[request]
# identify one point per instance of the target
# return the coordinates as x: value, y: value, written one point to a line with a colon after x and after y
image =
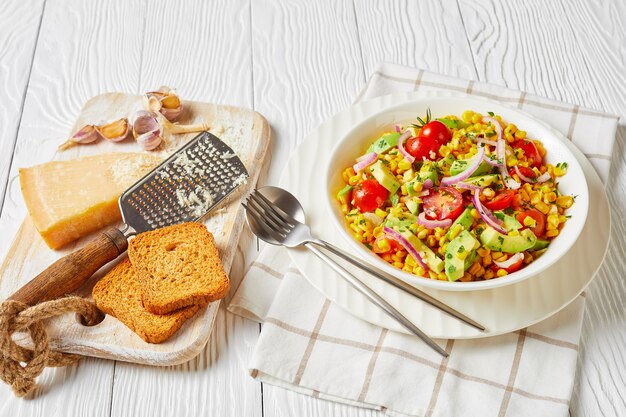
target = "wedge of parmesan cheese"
x: 67, y: 200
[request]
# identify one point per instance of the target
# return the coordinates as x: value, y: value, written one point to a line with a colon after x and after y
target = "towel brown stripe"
x: 514, y: 368
x: 439, y: 380
x: 313, y: 337
x: 371, y: 365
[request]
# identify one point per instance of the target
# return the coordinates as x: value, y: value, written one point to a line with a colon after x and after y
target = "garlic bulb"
x: 165, y: 101
x: 115, y: 131
x: 86, y: 134
x: 147, y: 130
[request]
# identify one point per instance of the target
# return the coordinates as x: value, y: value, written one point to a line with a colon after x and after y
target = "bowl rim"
x: 416, y: 280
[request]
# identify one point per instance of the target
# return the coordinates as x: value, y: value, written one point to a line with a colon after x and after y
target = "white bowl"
x: 356, y: 142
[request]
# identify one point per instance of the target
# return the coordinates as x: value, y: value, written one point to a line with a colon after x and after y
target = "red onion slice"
x: 431, y: 224
x: 512, y: 260
x: 467, y: 186
x: 509, y: 181
x: 427, y: 184
x: 462, y: 176
x: 398, y: 128
x: 491, y: 161
x: 486, y: 142
x: 524, y: 177
x: 403, y: 151
x: 544, y: 177
x: 364, y: 161
x: 500, y: 145
x: 486, y: 215
x: 406, y: 245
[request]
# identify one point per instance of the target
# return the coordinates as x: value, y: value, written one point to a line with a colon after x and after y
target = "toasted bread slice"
x: 178, y: 266
x: 118, y: 294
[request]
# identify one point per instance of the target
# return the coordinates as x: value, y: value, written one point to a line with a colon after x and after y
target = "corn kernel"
x: 466, y: 277
x: 398, y: 264
x: 474, y: 268
x: 454, y: 232
x: 354, y: 180
x: 513, y: 233
x: 444, y: 151
x: 381, y: 213
x: 560, y: 170
x: 442, y: 241
x: 562, y: 218
x: 502, y: 272
x: 542, y: 207
x: 520, y: 134
x: 489, y: 193
x: 404, y: 165
x: 477, y: 118
x: 378, y: 231
x: 483, y: 251
x: 419, y: 271
x: 550, y: 197
x: 467, y: 116
x: 431, y: 241
x: 541, y: 149
x: 552, y: 233
x: 432, y: 275
x: 488, y: 274
x: 535, y: 197
x: 565, y: 201
x: 487, y: 260
x: 422, y: 234
x: 384, y: 244
x: 475, y: 214
x: 553, y: 219
x: 528, y: 258
x: 529, y: 222
x: 442, y: 276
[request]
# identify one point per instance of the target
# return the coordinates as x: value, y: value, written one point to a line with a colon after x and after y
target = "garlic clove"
x: 169, y: 104
x: 85, y: 134
x: 149, y: 140
x: 115, y: 131
x: 171, y: 114
x: 147, y: 130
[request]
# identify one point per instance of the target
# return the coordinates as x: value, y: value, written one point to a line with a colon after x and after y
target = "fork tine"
x: 258, y: 219
x: 275, y: 209
x: 268, y: 219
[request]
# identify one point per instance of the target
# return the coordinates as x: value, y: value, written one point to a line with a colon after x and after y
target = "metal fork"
x: 287, y: 231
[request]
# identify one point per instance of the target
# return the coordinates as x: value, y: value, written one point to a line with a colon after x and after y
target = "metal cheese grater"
x: 183, y: 188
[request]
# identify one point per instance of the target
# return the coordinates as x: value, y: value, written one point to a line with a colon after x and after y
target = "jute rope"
x: 16, y: 316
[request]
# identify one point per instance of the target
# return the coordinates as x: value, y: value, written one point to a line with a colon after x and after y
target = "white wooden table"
x: 296, y: 62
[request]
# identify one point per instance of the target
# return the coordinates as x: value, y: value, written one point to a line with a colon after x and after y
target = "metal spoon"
x: 257, y: 219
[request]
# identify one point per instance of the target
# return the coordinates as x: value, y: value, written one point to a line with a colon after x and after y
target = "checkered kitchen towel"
x: 309, y: 345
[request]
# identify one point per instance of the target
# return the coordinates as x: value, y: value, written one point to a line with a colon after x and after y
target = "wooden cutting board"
x: 245, y: 131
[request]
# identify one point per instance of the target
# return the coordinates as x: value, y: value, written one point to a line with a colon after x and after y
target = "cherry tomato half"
x: 501, y: 201
x: 443, y: 203
x: 527, y: 172
x: 538, y: 216
x: 423, y: 148
x: 369, y: 195
x: 530, y: 150
x: 436, y: 130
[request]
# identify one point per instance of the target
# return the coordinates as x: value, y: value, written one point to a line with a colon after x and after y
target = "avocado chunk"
x: 384, y: 143
x: 457, y: 253
x: 494, y: 240
x: 540, y: 244
x: 384, y: 176
x: 445, y: 164
x: 465, y: 220
x: 413, y: 206
x: 432, y: 261
x: 483, y: 180
x: 400, y: 223
x: 509, y: 222
x: 461, y: 165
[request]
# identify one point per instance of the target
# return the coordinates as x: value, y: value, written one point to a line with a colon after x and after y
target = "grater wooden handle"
x: 70, y: 272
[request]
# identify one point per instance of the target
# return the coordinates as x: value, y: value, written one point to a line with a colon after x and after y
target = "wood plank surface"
x: 297, y: 63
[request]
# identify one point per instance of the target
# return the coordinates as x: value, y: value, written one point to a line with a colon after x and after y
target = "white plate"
x: 359, y: 138
x: 501, y: 310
